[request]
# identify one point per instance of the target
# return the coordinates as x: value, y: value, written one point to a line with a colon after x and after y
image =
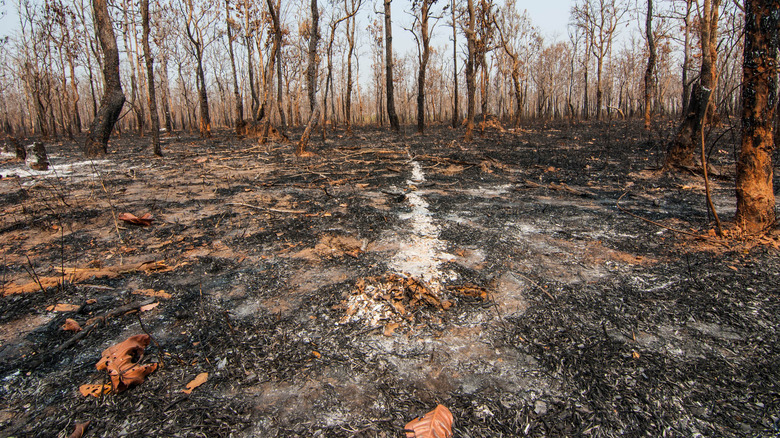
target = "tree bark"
x: 455, y: 118
x: 426, y: 53
x: 471, y: 84
x: 391, y: 114
x: 155, y: 120
x: 279, y: 105
x: 755, y: 194
x: 351, y: 25
x: 681, y: 151
x: 239, y: 104
x: 650, y: 70
x: 255, y: 105
x: 686, y: 86
x: 194, y: 35
x: 311, y: 81
x: 113, y: 99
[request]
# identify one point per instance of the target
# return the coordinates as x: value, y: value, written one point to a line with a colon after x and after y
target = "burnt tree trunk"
x: 250, y: 63
x: 426, y: 54
x: 650, y: 64
x: 150, y: 79
x: 681, y: 151
x: 755, y: 194
x: 686, y: 86
x: 391, y: 114
x: 471, y: 83
x: 351, y: 25
x: 204, y: 123
x: 311, y: 81
x: 113, y: 99
x: 455, y: 118
x: 269, y: 88
x: 239, y: 126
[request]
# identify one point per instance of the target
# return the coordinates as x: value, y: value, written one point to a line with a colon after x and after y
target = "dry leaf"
x: 78, y: 432
x: 149, y: 306
x: 71, y: 325
x: 390, y: 328
x: 121, y: 362
x: 143, y: 221
x: 197, y: 381
x: 435, y: 424
x: 94, y: 390
x: 62, y: 307
x: 152, y: 293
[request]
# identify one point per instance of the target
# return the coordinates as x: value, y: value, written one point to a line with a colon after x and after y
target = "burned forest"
x: 420, y: 218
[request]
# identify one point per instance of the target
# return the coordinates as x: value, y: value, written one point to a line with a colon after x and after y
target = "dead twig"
x: 159, y: 348
x: 658, y: 224
x: 31, y: 272
x: 88, y: 327
x: 535, y: 284
x: 275, y: 210
x: 110, y: 204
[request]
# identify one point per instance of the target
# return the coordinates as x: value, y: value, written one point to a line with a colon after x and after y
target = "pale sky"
x: 551, y: 17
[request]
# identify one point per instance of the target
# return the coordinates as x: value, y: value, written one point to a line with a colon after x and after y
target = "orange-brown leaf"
x: 94, y: 390
x: 121, y: 362
x: 197, y: 381
x: 71, y: 325
x: 435, y: 424
x: 143, y: 221
x: 149, y: 307
x: 62, y: 307
x: 78, y: 432
x: 152, y: 293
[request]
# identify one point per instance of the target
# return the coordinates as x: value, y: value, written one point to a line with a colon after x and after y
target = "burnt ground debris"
x: 596, y: 323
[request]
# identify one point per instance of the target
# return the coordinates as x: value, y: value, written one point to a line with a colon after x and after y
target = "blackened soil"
x: 596, y: 323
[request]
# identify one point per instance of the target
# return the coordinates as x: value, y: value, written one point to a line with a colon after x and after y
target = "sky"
x: 550, y: 16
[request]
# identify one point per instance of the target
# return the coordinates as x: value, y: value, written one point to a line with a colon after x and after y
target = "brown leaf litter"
x: 122, y: 361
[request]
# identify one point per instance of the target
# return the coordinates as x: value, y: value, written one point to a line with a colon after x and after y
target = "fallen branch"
x: 563, y: 187
x: 275, y: 210
x: 88, y: 327
x: 658, y: 224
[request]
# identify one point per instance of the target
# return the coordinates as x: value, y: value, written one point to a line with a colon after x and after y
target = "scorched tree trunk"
x: 755, y: 194
x: 113, y: 98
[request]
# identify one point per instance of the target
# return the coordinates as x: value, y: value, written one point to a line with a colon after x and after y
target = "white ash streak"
x: 422, y: 252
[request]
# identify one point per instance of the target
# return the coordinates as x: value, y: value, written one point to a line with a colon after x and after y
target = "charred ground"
x: 561, y: 314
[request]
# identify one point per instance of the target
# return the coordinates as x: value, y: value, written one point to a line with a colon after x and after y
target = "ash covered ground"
x: 517, y: 280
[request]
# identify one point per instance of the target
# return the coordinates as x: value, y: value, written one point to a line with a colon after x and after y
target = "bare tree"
x: 113, y: 98
x: 198, y: 21
x: 229, y: 25
x: 651, y: 57
x: 681, y: 150
x: 150, y: 79
x: 756, y: 210
x: 424, y: 54
x: 391, y: 114
x: 311, y: 81
x: 334, y: 22
x: 455, y: 112
x: 599, y: 19
x: 686, y: 66
x: 352, y: 9
x: 266, y: 110
x: 516, y: 36
x: 471, y: 84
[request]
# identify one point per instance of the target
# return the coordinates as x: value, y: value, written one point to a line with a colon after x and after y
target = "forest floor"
x: 511, y: 279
